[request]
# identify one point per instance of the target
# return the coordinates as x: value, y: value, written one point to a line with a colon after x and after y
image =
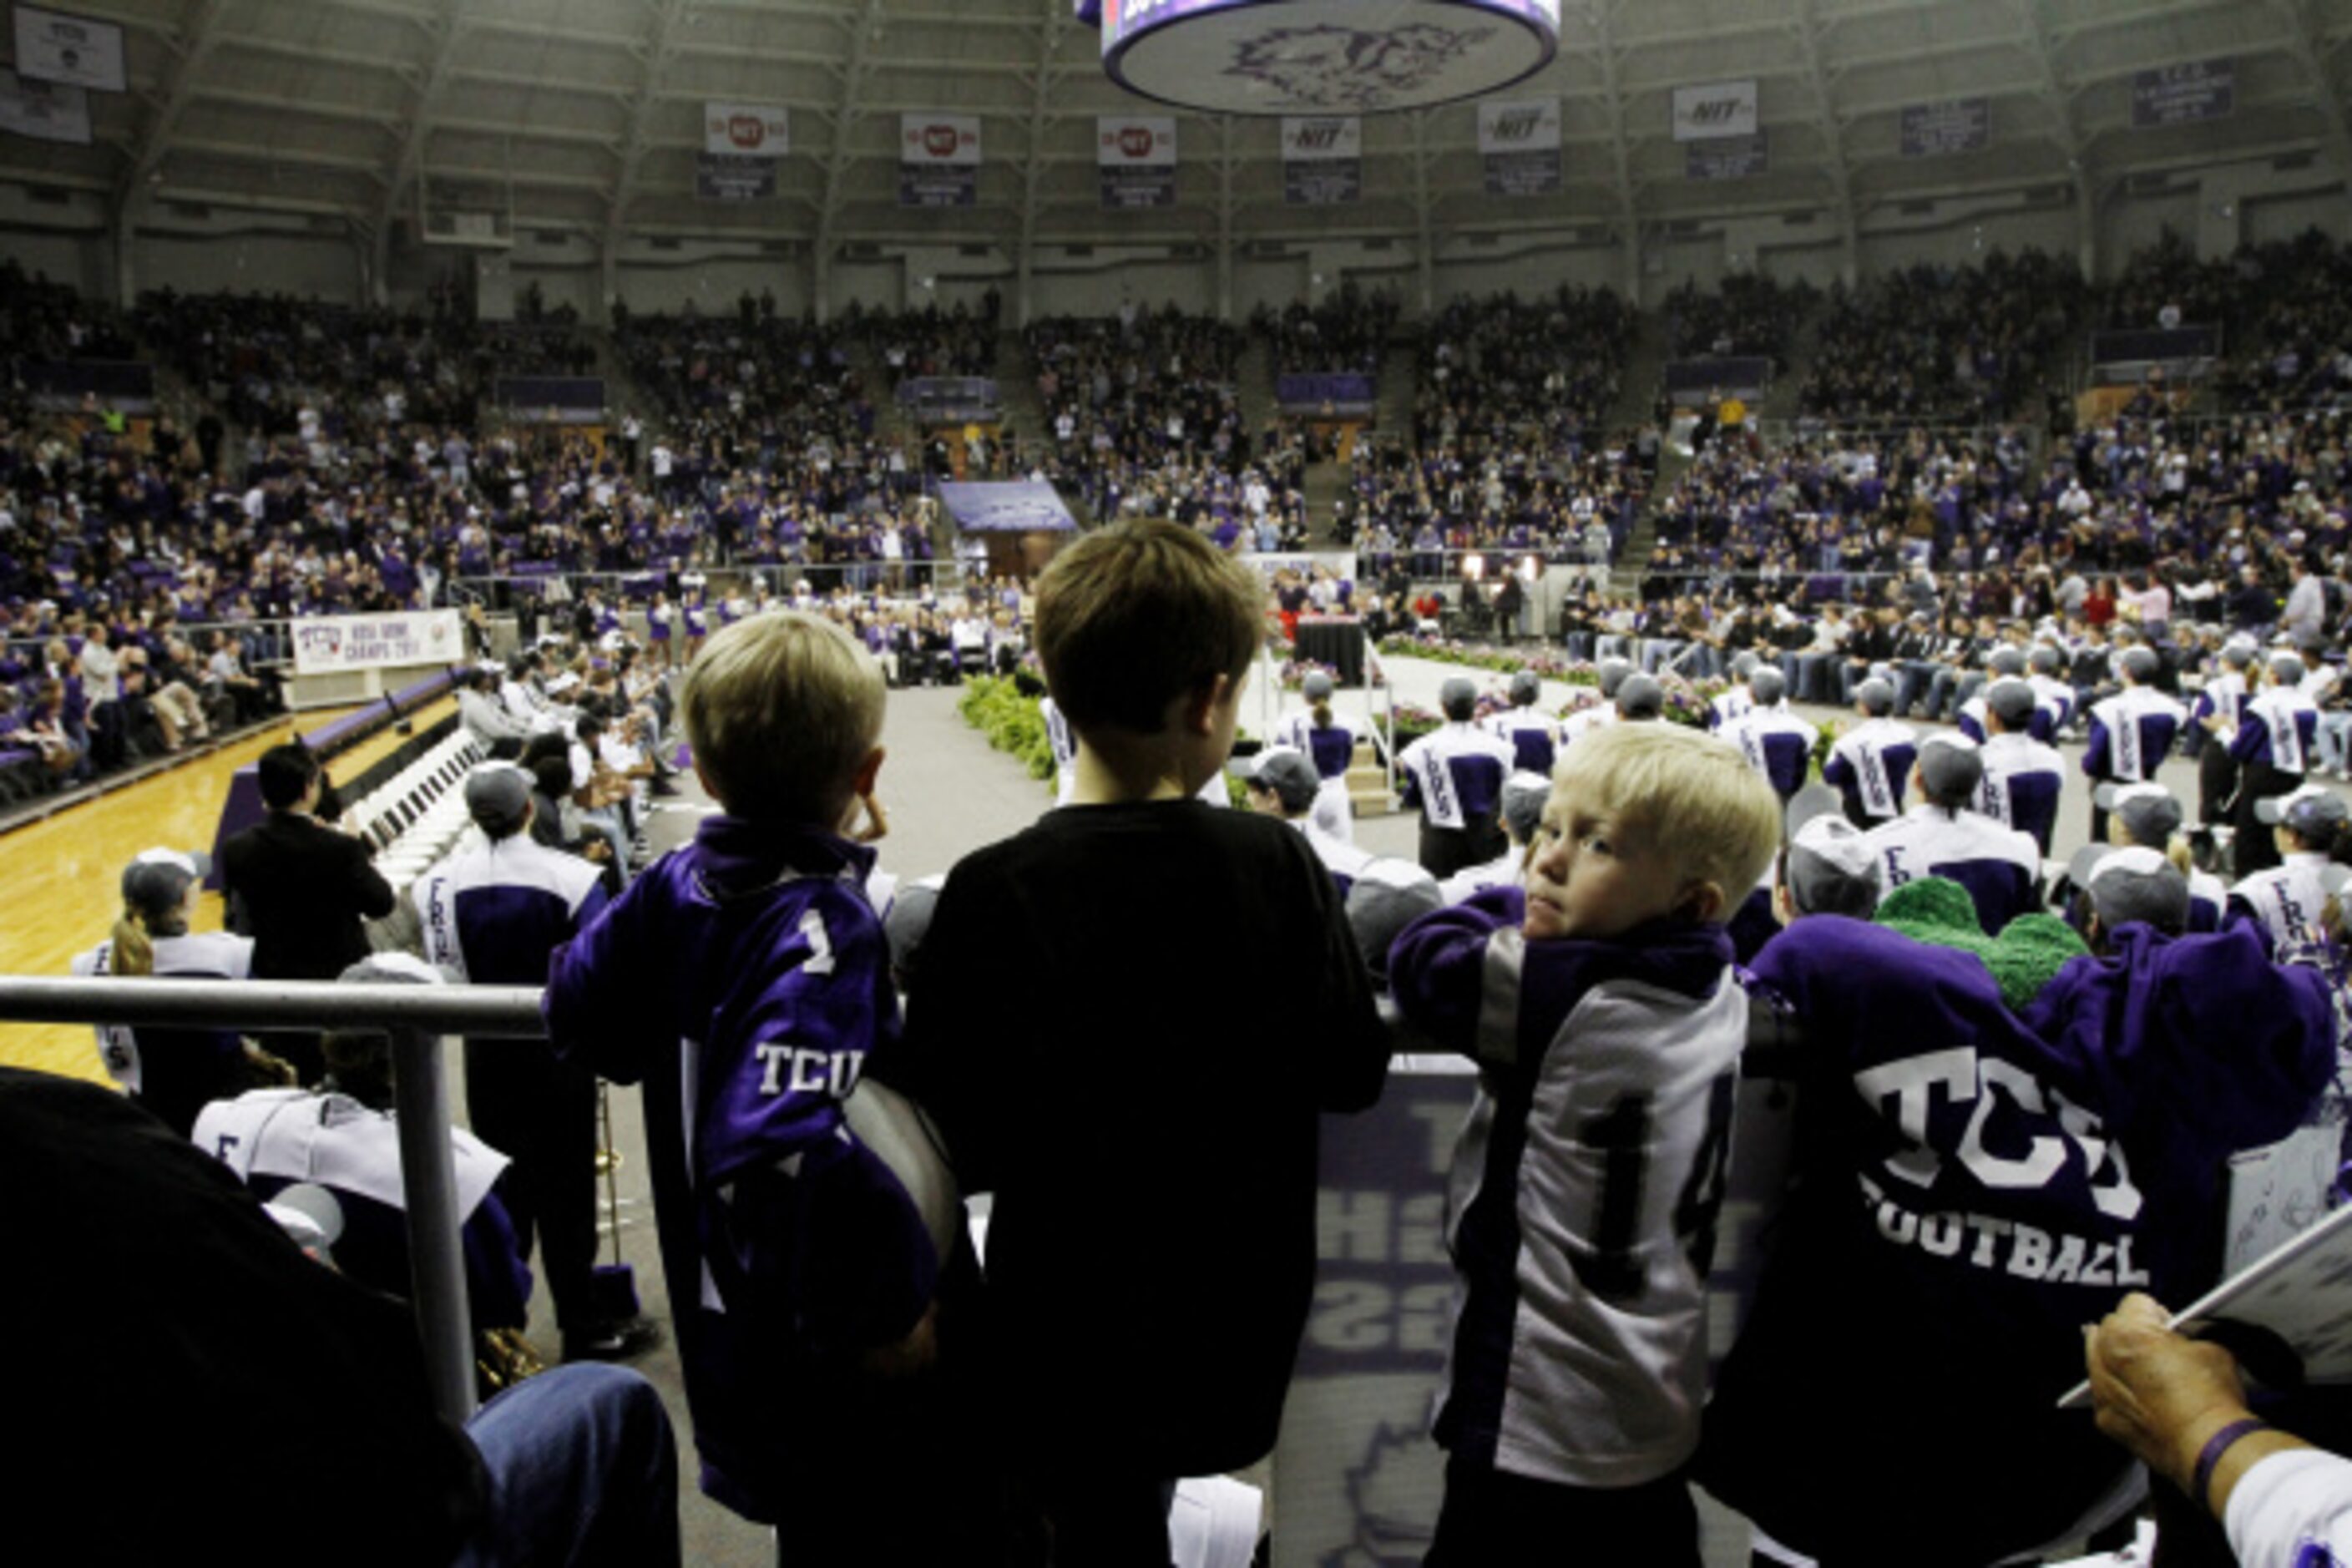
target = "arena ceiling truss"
x: 588, y: 115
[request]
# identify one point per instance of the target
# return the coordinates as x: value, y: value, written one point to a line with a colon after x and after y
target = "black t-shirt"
x: 1128, y: 1021
x: 189, y: 1382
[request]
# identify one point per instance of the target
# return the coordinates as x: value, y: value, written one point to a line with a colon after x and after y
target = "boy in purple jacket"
x: 743, y: 980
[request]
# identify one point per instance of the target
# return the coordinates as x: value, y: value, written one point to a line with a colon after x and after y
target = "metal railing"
x: 419, y: 1018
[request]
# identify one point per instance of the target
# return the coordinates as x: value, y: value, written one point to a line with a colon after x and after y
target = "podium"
x: 1337, y: 641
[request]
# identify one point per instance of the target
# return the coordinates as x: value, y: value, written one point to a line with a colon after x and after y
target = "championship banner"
x: 43, y: 109
x: 1727, y: 160
x: 1718, y: 109
x: 1322, y: 159
x: 746, y: 129
x: 329, y: 645
x: 939, y: 159
x: 1940, y: 130
x: 1520, y: 143
x: 71, y: 51
x: 733, y: 177
x: 2181, y: 95
x: 1136, y: 156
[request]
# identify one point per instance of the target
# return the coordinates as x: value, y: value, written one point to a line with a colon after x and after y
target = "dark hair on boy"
x: 284, y: 772
x: 1135, y: 615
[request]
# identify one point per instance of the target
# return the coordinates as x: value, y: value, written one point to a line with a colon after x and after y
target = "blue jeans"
x: 583, y: 1470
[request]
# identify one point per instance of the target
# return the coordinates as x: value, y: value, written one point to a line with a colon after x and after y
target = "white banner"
x: 1518, y: 142
x: 327, y: 644
x: 1135, y: 141
x: 44, y: 111
x: 1135, y: 160
x: 938, y: 140
x: 70, y: 50
x: 1321, y: 138
x: 1528, y: 125
x: 1718, y: 109
x: 746, y: 129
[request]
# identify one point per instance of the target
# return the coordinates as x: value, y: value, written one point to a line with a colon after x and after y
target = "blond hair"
x: 781, y: 710
x: 1682, y: 793
x: 1135, y: 615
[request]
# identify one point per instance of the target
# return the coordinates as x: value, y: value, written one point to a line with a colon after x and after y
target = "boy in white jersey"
x: 1600, y: 1007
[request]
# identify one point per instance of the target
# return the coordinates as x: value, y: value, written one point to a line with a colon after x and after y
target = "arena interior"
x: 1943, y: 404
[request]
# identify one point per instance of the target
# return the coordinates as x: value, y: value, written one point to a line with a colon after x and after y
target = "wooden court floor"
x: 60, y: 878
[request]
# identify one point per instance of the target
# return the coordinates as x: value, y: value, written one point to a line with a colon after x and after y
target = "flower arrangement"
x: 1011, y: 720
x: 1294, y: 672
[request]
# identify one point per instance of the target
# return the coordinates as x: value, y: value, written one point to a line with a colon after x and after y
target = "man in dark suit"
x: 300, y: 888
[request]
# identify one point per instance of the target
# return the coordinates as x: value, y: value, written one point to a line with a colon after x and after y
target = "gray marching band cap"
x: 1876, y: 697
x: 2237, y: 653
x: 1767, y: 686
x: 1641, y: 696
x: 1744, y: 665
x: 2006, y: 661
x: 157, y: 880
x: 2012, y: 700
x: 1525, y: 795
x: 1950, y: 765
x: 2133, y: 883
x: 1613, y: 672
x: 1832, y: 869
x: 2286, y: 669
x: 498, y: 796
x: 1458, y: 692
x: 2149, y: 812
x: 1284, y: 770
x: 2043, y: 659
x: 2313, y: 814
x: 1526, y: 686
x: 2140, y: 663
x: 1316, y: 686
x: 1387, y: 896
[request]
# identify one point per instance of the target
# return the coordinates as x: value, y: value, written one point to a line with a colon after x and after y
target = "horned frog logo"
x: 1334, y: 67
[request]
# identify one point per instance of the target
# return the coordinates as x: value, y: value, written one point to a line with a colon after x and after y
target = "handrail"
x: 416, y: 1018
x: 419, y: 1017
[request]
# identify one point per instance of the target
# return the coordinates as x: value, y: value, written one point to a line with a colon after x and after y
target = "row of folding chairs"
x: 416, y: 817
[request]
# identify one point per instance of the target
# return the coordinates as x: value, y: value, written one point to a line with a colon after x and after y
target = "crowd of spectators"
x: 930, y: 341
x: 1747, y: 314
x: 1958, y: 345
x: 1501, y: 371
x: 1348, y: 332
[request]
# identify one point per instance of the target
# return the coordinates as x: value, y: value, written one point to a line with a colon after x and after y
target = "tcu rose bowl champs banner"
x: 1322, y: 159
x: 1135, y: 155
x: 1519, y: 145
x: 939, y: 159
x: 327, y: 645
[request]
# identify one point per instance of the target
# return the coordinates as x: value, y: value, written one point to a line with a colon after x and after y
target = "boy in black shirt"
x: 1128, y: 1019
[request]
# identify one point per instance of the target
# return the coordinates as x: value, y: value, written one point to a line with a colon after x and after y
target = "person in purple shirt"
x: 743, y: 980
x: 1976, y: 1183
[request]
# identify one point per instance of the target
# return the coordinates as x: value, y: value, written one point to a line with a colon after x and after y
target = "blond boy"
x: 1600, y: 1007
x: 743, y: 979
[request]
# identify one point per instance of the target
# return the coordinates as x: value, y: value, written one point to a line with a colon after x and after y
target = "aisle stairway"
x: 1626, y: 575
x: 1645, y: 374
x: 1399, y: 373
x: 1016, y: 392
x: 1326, y: 483
x: 1254, y: 384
